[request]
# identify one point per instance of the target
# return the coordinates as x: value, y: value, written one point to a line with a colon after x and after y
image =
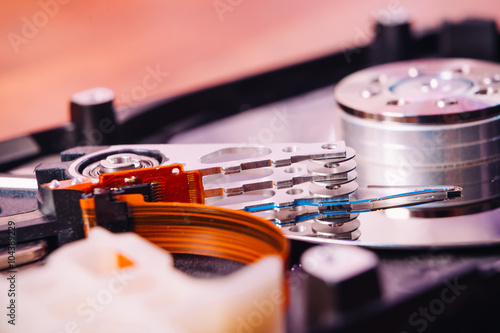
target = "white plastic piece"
x: 82, y: 288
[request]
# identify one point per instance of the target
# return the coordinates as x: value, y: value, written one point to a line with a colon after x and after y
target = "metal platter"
x: 423, y: 91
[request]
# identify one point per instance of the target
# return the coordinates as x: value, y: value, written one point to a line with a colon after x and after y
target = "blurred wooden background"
x: 51, y: 49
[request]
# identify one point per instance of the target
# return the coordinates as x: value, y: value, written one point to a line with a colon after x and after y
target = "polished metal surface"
x: 397, y: 229
x: 118, y: 162
x: 275, y: 182
x: 24, y: 253
x: 439, y: 91
x: 335, y: 228
x: 329, y: 168
x: 312, y: 118
x: 443, y: 129
x: 17, y: 183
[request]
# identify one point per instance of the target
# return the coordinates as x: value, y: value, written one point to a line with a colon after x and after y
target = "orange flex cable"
x: 168, y: 183
x: 200, y: 229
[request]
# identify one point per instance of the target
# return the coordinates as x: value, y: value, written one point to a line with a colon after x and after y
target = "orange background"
x: 84, y: 44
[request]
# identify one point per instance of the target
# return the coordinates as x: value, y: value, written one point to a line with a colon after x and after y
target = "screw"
x: 413, y: 72
x: 76, y: 180
x: 54, y: 184
x: 370, y: 91
x: 118, y: 162
x: 486, y: 91
x: 445, y: 102
x: 131, y: 180
x: 397, y: 102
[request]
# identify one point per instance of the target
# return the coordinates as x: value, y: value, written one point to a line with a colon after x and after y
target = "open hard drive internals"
x: 363, y: 199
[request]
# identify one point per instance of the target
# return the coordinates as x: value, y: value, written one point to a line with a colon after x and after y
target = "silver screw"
x: 131, y: 180
x: 413, y: 72
x: 397, y: 102
x: 370, y: 91
x: 118, y: 162
x: 486, y: 91
x: 445, y: 102
x: 54, y: 184
x: 76, y: 180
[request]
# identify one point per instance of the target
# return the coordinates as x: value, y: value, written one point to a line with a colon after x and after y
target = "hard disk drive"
x: 327, y: 196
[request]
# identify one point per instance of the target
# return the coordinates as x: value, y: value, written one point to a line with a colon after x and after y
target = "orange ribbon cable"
x: 200, y: 229
x: 165, y: 207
